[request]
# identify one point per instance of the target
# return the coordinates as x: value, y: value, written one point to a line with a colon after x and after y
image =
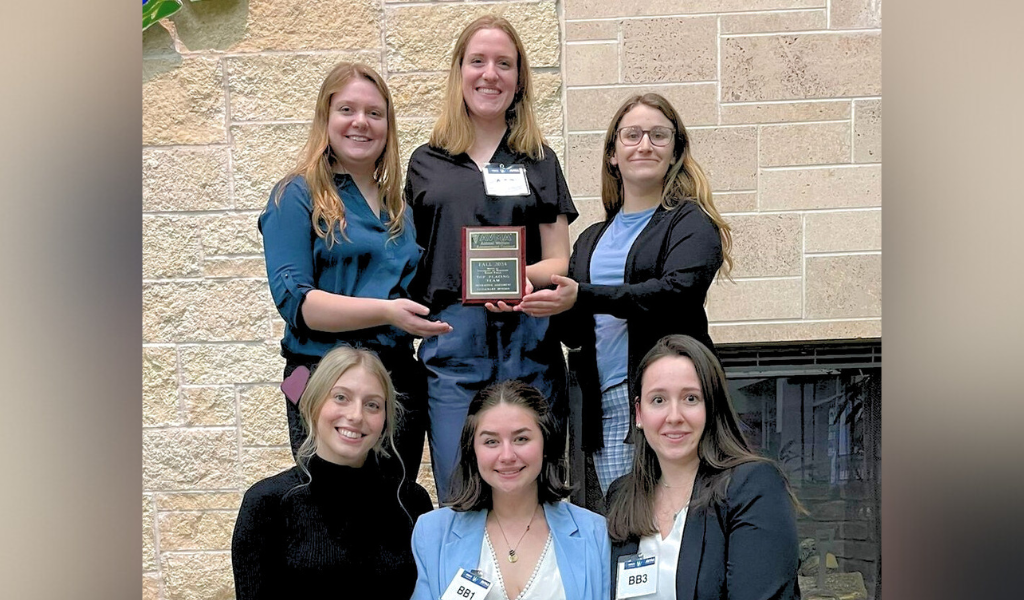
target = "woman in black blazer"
x: 719, y: 519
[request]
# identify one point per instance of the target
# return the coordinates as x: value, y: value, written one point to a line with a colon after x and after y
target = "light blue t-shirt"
x: 608, y: 267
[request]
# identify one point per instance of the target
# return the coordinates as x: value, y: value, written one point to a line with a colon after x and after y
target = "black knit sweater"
x: 344, y: 534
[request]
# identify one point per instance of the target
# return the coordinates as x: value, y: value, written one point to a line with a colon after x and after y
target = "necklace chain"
x: 512, y: 550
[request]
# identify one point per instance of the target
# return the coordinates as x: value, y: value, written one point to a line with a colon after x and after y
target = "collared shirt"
x: 369, y: 264
x: 447, y: 193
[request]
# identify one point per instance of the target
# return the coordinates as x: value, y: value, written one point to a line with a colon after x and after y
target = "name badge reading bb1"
x: 638, y: 576
x: 493, y: 264
x: 500, y: 180
x: 466, y: 586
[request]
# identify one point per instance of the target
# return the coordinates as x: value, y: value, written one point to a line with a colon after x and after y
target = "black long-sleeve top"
x: 343, y: 534
x: 668, y: 272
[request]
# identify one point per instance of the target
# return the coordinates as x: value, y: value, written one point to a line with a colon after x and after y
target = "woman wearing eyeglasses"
x: 639, y: 275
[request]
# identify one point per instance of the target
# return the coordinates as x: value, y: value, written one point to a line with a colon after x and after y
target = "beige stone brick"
x: 583, y: 172
x: 547, y: 103
x: 828, y: 187
x: 800, y: 66
x: 592, y: 109
x: 270, y: 87
x: 148, y: 534
x: 740, y: 333
x: 412, y: 133
x: 224, y: 310
x: 210, y: 530
x: 591, y: 30
x: 279, y: 25
x: 150, y: 583
x: 185, y: 179
x: 557, y: 145
x: 867, y: 131
x: 804, y: 144
x: 261, y: 156
x: 231, y: 233
x: 157, y: 42
x: 767, y: 245
x: 209, y: 406
x: 596, y: 9
x: 770, y: 22
x: 844, y: 286
x: 418, y: 94
x: 782, y: 112
x: 278, y: 326
x: 728, y: 156
x: 262, y: 412
x: 421, y: 38
x: 730, y: 202
x: 591, y: 211
x: 198, y: 501
x: 182, y: 104
x: 235, y: 267
x: 211, y: 364
x: 670, y: 49
x: 170, y: 247
x: 592, y: 63
x: 260, y: 463
x: 754, y: 299
x: 159, y: 386
x: 855, y: 14
x: 846, y: 231
x: 197, y: 576
x: 189, y: 459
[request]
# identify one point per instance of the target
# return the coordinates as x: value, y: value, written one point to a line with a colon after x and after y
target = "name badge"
x: 500, y: 180
x: 638, y: 576
x: 466, y: 586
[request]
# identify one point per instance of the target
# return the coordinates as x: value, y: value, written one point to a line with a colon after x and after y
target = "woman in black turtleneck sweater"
x: 340, y: 521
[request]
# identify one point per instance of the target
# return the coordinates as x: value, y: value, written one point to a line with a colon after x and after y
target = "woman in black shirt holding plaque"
x: 487, y: 121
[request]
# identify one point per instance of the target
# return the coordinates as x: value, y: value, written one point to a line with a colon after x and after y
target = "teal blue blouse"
x: 369, y: 264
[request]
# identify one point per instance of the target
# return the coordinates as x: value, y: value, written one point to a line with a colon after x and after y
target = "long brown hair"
x: 316, y: 160
x: 722, y: 446
x: 469, y: 491
x: 454, y: 131
x: 684, y: 181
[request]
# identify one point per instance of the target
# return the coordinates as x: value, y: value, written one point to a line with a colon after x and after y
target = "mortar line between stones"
x: 564, y: 93
x: 853, y: 137
x: 806, y: 32
x: 757, y: 172
x: 802, y: 100
x: 740, y: 12
x: 795, y: 321
x: 803, y: 265
x: 718, y: 68
x: 740, y: 213
x: 828, y: 13
x: 383, y: 54
x: 822, y: 166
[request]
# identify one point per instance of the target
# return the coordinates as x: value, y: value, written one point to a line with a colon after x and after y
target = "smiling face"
x: 351, y: 419
x: 644, y: 165
x: 357, y: 126
x: 490, y: 74
x: 671, y: 409
x: 509, y: 448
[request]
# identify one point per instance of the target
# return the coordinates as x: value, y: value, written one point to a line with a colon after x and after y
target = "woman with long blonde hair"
x: 339, y: 515
x: 341, y: 251
x: 487, y: 124
x: 641, y: 273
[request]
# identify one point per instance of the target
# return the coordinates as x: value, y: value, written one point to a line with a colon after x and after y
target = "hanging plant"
x: 154, y: 10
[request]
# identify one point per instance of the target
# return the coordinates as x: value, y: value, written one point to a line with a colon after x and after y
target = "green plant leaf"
x: 154, y: 10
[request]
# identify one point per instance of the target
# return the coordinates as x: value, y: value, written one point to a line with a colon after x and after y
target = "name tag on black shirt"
x: 500, y: 180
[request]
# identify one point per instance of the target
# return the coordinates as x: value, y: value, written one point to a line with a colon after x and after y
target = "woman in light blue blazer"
x: 507, y: 525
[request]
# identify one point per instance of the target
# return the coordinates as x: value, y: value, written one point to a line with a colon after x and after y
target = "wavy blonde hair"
x: 316, y: 160
x: 454, y: 131
x: 684, y: 181
x: 332, y: 366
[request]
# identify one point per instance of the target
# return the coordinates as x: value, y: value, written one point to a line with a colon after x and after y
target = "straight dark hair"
x: 469, y: 491
x: 722, y: 447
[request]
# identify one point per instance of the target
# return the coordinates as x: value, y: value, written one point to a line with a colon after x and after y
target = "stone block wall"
x: 782, y: 98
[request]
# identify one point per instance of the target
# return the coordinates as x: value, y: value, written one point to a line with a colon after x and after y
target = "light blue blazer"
x: 445, y: 541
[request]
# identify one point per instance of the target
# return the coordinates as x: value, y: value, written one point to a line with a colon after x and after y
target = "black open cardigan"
x: 669, y: 269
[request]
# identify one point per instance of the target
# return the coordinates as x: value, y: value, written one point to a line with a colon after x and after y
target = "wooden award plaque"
x: 493, y: 264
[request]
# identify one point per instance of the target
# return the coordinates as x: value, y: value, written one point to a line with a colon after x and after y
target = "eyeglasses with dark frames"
x: 659, y: 136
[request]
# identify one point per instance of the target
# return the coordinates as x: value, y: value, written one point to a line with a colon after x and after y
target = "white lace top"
x: 544, y: 584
